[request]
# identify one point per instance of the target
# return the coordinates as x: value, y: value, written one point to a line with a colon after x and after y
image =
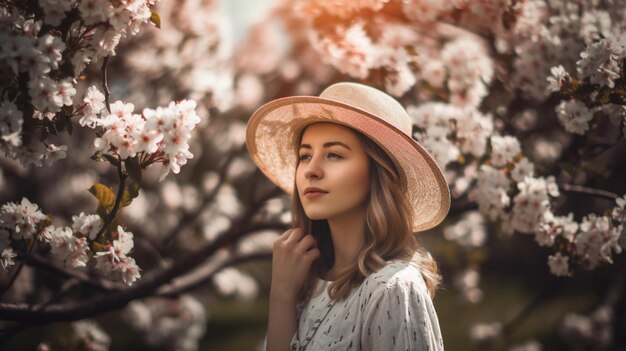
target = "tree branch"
x: 145, y: 287
x: 573, y: 188
x: 186, y: 285
x: 93, y: 282
x: 19, y: 268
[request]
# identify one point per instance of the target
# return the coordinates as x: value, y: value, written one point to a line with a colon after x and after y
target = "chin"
x: 316, y: 214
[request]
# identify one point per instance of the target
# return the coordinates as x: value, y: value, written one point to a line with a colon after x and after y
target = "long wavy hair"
x: 388, y: 231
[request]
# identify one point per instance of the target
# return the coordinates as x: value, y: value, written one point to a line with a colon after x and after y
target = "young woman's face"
x: 332, y: 177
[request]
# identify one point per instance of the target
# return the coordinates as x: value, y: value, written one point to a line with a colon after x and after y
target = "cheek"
x: 299, y: 177
x: 357, y: 184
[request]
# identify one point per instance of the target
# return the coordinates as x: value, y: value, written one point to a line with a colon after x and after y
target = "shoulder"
x: 397, y: 274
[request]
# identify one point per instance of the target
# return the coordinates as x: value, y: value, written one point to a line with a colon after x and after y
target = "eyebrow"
x: 328, y: 144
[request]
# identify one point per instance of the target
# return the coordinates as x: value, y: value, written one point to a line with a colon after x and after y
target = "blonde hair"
x: 388, y: 231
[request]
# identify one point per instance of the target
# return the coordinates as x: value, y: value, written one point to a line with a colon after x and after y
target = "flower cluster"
x: 169, y: 324
x: 594, y: 331
x: 507, y: 190
x: 600, y: 65
x: 159, y: 135
x: 448, y: 131
x: 588, y: 243
x: 73, y: 245
x: 43, y: 58
x: 88, y: 335
x: 114, y: 259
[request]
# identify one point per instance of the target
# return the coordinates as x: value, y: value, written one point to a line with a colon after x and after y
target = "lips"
x: 312, y: 192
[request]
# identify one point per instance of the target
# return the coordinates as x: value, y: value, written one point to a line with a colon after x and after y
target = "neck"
x: 348, y: 233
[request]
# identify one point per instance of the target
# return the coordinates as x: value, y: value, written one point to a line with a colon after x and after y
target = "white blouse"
x: 390, y: 310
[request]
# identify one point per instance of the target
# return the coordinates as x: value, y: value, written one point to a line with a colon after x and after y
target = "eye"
x: 304, y: 157
x: 334, y: 155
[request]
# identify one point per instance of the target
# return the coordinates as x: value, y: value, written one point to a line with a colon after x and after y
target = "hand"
x: 293, y: 254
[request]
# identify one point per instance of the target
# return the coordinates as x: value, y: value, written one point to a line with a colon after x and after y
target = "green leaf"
x: 155, y: 18
x: 133, y: 168
x: 97, y: 156
x: 98, y: 247
x: 105, y: 196
x: 102, y: 212
x: 131, y: 192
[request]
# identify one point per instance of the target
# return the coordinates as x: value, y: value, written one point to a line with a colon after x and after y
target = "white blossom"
x: 77, y: 257
x: 601, y: 61
x: 52, y: 47
x: 531, y: 345
x: 54, y: 153
x: 597, y: 239
x: 504, y: 149
x: 350, y: 50
x: 21, y: 219
x: 114, y: 258
x: 559, y: 264
x: 11, y: 121
x: 619, y: 211
x: 468, y: 231
x: 169, y: 324
x: 574, y: 116
x: 62, y: 241
x: 6, y: 258
x: 522, y: 169
x: 551, y: 226
x: 558, y: 77
x: 483, y: 332
x: 91, y: 336
x: 491, y: 192
x: 88, y: 225
x: 467, y: 282
x: 469, y: 69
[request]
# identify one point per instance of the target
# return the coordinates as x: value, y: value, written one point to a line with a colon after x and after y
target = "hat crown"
x: 370, y: 100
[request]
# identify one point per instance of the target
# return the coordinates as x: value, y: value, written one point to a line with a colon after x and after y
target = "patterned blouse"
x: 390, y: 310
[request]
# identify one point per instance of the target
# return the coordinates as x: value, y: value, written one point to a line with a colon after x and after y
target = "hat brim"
x: 274, y: 128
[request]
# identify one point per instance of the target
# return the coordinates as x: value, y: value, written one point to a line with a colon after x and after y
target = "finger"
x: 306, y: 243
x: 295, y: 236
x: 312, y: 254
x: 286, y: 234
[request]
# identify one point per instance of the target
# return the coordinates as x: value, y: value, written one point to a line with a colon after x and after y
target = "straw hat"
x: 274, y: 129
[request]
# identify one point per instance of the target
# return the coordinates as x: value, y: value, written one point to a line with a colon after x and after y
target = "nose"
x: 313, y: 169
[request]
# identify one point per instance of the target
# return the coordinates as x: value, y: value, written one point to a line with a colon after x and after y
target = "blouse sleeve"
x: 401, y: 316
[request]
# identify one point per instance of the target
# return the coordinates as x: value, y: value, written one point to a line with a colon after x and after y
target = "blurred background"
x: 520, y: 102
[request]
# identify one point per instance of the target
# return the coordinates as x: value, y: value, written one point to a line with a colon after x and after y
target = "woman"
x: 350, y: 275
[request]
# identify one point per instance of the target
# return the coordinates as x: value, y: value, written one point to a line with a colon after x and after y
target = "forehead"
x: 323, y: 132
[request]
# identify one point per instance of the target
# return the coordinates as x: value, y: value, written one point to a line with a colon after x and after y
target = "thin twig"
x: 105, y: 83
x: 67, y: 286
x: 19, y: 268
x: 98, y: 284
x: 573, y: 188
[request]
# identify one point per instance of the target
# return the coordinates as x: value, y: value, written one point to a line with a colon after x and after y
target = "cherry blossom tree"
x: 521, y: 102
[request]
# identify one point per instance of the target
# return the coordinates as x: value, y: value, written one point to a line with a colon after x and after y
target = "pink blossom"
x: 21, y: 219
x: 559, y: 264
x: 6, y: 258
